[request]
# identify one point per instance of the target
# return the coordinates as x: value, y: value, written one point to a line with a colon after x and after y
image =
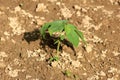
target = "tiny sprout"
x: 67, y: 73
x: 55, y: 58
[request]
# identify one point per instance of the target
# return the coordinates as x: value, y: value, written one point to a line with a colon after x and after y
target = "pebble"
x: 84, y: 10
x: 89, y: 48
x: 6, y: 33
x: 13, y: 73
x: 79, y: 54
x: 54, y: 64
x: 40, y: 22
x: 58, y: 3
x: 41, y: 8
x: 78, y: 13
x: 116, y: 53
x: 101, y: 73
x: 17, y: 9
x: 75, y: 63
x: 66, y: 12
x: 77, y: 7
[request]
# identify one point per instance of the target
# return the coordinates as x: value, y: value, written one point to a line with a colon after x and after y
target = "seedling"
x: 62, y: 30
x: 71, y: 75
x: 55, y: 58
x: 67, y: 73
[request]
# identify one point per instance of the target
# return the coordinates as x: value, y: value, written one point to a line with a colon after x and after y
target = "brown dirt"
x: 24, y: 57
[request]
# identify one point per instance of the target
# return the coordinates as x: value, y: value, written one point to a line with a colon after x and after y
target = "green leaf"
x: 57, y: 26
x: 67, y: 73
x: 62, y: 37
x: 44, y: 28
x: 54, y: 58
x: 71, y: 34
x: 80, y: 34
x: 70, y: 27
x: 56, y: 42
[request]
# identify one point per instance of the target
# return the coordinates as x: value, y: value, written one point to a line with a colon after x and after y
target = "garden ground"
x: 24, y: 56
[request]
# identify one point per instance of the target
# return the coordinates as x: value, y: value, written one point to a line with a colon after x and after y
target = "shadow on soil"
x: 49, y: 41
x: 31, y: 36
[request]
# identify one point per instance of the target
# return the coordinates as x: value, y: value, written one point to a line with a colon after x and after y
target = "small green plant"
x: 55, y: 58
x: 62, y: 30
x: 67, y: 73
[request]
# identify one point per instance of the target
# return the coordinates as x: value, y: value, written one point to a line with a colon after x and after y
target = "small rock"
x: 88, y: 48
x: 102, y: 73
x: 84, y: 74
x: 17, y: 9
x: 66, y: 12
x: 28, y: 76
x: 13, y: 41
x: 58, y: 3
x: 13, y: 73
x: 2, y: 65
x: 113, y: 32
x: 78, y: 13
x: 41, y: 7
x: 112, y: 70
x: 84, y: 10
x: 40, y: 22
x: 116, y: 53
x: 54, y: 64
x: 6, y: 33
x: 77, y: 7
x: 75, y: 63
x: 79, y: 55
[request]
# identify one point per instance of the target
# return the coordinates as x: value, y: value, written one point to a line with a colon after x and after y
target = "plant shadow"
x: 48, y: 41
x: 31, y: 36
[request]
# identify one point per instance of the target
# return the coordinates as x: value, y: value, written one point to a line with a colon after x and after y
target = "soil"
x: 24, y: 56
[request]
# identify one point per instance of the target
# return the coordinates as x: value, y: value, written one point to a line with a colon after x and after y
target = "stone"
x: 77, y: 7
x: 75, y: 63
x: 41, y: 8
x: 40, y: 22
x: 54, y: 63
x: 102, y: 73
x: 17, y: 9
x: 66, y: 12
x: 89, y: 48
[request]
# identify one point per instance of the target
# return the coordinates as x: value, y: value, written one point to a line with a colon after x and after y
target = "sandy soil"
x: 24, y: 56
